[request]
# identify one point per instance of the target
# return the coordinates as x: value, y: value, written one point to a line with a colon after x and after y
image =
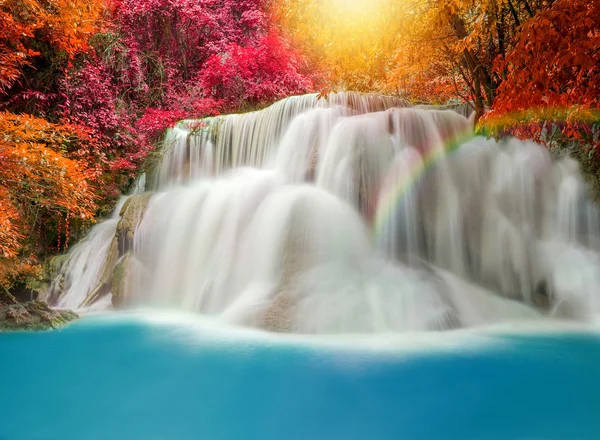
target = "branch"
x: 514, y: 13
x: 9, y: 295
x: 528, y: 8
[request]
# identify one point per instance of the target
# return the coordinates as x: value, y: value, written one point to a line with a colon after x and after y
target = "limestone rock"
x: 131, y: 215
x: 127, y: 274
x: 279, y: 315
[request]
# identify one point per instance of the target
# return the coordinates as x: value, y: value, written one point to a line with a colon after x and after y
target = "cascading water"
x: 355, y: 213
x: 83, y: 268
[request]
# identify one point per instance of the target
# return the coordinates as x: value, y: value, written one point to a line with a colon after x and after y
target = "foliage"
x: 563, y: 86
x: 14, y: 55
x: 42, y: 182
x: 455, y: 43
x: 159, y: 62
x: 259, y: 73
x: 38, y: 32
x: 88, y: 86
x: 171, y: 44
x: 568, y: 73
x: 423, y: 50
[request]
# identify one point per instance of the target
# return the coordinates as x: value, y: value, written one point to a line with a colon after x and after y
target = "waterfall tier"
x: 354, y: 213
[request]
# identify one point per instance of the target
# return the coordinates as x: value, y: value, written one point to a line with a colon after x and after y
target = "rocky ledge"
x: 33, y: 315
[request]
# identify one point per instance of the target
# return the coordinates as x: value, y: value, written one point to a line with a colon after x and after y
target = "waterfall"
x: 352, y: 213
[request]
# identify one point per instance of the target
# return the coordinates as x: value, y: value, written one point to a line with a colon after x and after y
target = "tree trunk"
x: 478, y: 70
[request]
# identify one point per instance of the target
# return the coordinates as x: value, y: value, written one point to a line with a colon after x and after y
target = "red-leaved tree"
x: 553, y: 73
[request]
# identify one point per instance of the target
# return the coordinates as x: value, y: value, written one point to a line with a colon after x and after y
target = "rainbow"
x: 392, y: 195
x: 491, y: 125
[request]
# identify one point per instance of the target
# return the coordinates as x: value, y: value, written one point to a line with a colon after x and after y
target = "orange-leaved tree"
x: 450, y: 47
x: 45, y: 168
x: 18, y: 20
x: 44, y: 31
x: 42, y: 190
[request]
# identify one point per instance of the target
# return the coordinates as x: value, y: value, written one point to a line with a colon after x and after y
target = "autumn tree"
x: 259, y: 73
x: 455, y: 44
x: 37, y: 39
x: 554, y: 97
x: 423, y: 50
x: 555, y: 61
x: 43, y: 187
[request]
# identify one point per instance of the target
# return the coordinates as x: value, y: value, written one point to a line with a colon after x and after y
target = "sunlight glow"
x: 354, y: 9
x: 349, y: 36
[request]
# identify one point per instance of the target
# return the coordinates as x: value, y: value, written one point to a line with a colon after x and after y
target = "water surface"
x: 132, y: 378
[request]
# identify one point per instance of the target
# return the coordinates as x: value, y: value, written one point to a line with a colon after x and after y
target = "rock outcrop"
x: 116, y: 272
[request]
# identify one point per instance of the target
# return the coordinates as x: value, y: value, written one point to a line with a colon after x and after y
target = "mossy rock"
x: 119, y: 280
x: 33, y: 315
x: 50, y: 285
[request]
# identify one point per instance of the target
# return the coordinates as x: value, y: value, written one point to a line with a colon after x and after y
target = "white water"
x: 83, y: 268
x: 283, y: 219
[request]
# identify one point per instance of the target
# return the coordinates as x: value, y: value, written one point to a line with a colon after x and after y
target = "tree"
x: 41, y: 35
x: 555, y: 62
x: 255, y: 74
x: 42, y: 189
x: 456, y: 44
x: 554, y: 96
x: 424, y: 50
x: 156, y: 63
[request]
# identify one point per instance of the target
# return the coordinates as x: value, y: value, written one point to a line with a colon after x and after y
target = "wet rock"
x: 33, y: 315
x: 111, y: 261
x: 279, y: 315
x: 131, y: 215
x: 51, y: 284
x: 105, y: 284
x: 127, y: 272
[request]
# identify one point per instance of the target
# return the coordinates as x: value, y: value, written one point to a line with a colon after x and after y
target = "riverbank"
x: 33, y: 316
